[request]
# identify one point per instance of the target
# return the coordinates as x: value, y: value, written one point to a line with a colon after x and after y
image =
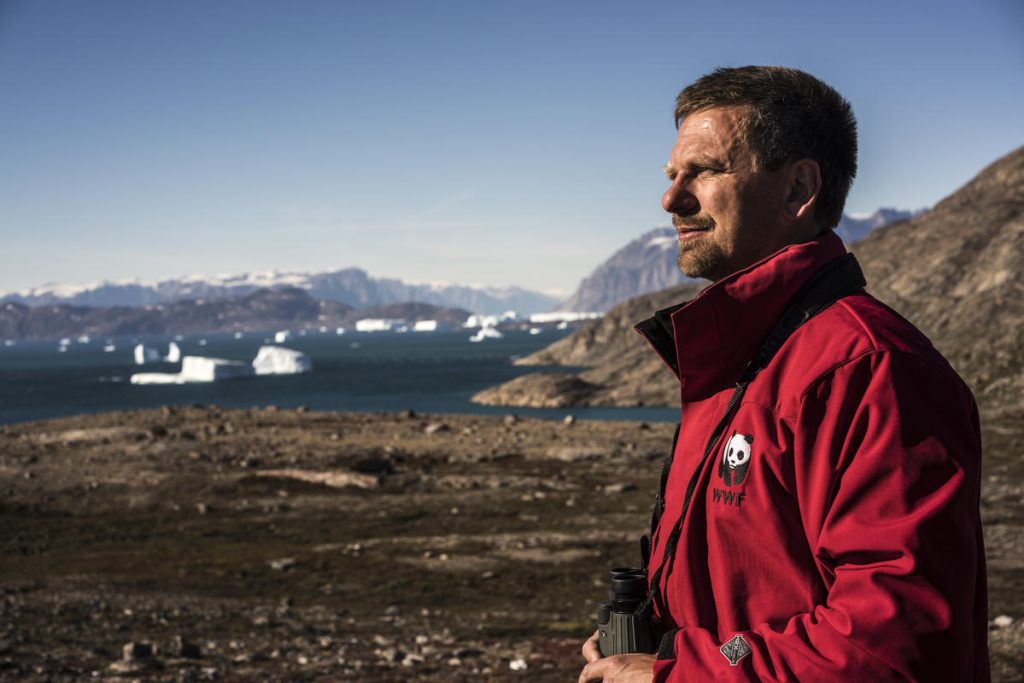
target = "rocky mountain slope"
x: 648, y: 263
x: 953, y: 271
x: 351, y: 286
x: 265, y: 309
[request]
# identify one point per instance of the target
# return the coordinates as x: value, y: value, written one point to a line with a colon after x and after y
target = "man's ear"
x: 803, y: 187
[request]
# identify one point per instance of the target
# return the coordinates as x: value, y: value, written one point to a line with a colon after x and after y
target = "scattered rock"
x: 283, y: 564
x: 620, y: 487
x: 1003, y: 621
x: 183, y: 648
x: 575, y: 453
x: 511, y: 419
x: 134, y: 652
x: 568, y: 420
x: 435, y: 427
x: 518, y: 664
x: 412, y: 659
x: 332, y: 479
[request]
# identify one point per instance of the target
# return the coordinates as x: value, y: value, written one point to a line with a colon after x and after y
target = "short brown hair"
x: 791, y: 115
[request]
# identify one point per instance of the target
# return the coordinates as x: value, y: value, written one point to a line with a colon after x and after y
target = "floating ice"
x: 486, y: 333
x: 173, y: 353
x: 378, y: 324
x: 277, y: 360
x: 157, y: 378
x: 146, y: 354
x: 203, y: 369
x: 425, y: 326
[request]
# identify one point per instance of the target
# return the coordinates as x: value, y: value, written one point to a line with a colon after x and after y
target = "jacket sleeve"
x: 886, y: 473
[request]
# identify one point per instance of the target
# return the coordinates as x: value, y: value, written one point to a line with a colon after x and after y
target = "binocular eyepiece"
x: 621, y: 629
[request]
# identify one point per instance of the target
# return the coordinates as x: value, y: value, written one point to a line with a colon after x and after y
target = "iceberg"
x: 425, y: 326
x: 146, y: 354
x: 157, y: 378
x: 283, y: 336
x: 203, y: 369
x: 378, y: 324
x: 197, y: 369
x: 486, y: 333
x: 173, y: 353
x: 277, y: 360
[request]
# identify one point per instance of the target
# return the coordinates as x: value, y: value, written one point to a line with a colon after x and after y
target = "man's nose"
x: 678, y: 198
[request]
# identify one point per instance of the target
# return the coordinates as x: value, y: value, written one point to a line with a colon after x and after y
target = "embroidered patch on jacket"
x: 732, y: 468
x: 735, y: 650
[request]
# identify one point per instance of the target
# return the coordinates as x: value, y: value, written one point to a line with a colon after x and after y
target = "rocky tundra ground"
x: 194, y: 543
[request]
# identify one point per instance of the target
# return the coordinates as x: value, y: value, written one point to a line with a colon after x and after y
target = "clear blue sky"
x: 481, y: 141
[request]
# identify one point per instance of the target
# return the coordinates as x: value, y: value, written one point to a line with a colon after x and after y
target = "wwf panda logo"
x: 735, y: 459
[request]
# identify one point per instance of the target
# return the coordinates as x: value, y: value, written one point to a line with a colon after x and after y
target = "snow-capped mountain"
x: 855, y: 227
x: 351, y: 286
x: 648, y: 263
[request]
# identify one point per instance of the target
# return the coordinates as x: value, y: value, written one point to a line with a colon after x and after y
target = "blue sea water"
x: 427, y: 372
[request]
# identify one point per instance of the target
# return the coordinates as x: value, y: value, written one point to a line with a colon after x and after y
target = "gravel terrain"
x: 193, y: 543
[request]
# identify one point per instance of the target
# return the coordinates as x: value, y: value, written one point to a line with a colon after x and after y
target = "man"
x: 826, y: 517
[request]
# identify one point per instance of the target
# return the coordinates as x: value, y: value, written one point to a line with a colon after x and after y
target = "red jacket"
x: 835, y: 533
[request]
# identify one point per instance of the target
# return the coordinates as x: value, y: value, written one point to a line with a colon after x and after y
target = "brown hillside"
x: 955, y: 273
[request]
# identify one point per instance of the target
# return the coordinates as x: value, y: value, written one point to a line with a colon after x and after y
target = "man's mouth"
x: 691, y: 226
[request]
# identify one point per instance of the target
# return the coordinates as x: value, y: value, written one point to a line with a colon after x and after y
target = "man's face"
x: 726, y: 212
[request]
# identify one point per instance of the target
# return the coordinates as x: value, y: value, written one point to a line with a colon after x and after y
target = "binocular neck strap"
x: 654, y: 581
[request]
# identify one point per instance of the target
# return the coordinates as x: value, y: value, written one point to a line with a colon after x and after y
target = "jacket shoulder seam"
x: 860, y: 323
x: 877, y: 351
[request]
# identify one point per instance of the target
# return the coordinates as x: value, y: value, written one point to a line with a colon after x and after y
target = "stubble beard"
x: 699, y: 257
